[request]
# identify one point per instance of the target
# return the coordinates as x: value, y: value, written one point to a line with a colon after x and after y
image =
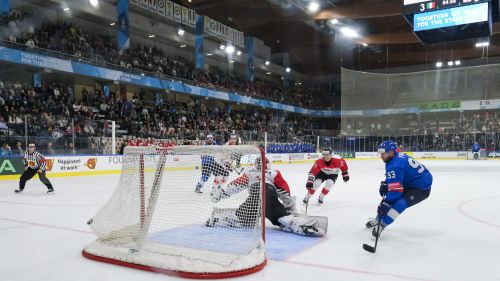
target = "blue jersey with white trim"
x: 476, y: 148
x: 402, y: 173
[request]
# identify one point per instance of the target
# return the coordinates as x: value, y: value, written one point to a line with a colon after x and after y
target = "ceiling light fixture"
x: 313, y: 7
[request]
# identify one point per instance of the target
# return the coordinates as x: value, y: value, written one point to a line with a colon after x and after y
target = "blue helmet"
x: 387, y: 146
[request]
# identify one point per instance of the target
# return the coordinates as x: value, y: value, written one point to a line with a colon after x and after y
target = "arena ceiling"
x: 315, y: 45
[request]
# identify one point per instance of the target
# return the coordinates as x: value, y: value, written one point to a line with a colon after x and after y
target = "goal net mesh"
x: 155, y: 218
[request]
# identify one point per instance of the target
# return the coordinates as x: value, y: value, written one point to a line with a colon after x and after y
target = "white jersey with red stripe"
x: 275, y: 178
x: 248, y: 178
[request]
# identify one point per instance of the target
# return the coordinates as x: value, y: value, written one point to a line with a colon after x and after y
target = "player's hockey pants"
x: 410, y: 197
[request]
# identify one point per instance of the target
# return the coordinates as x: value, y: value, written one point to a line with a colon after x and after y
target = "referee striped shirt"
x: 35, y: 160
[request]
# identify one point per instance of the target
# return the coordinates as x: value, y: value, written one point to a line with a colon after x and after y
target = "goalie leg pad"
x: 223, y: 218
x: 304, y: 225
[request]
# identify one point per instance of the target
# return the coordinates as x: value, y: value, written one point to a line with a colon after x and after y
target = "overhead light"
x: 230, y: 49
x: 313, y: 7
x: 231, y: 61
x: 209, y: 54
x: 142, y: 74
x: 287, y: 70
x: 334, y: 21
x: 267, y: 62
x: 180, y: 31
x: 439, y: 64
x: 238, y: 53
x: 450, y: 63
x: 300, y: 83
x: 151, y: 36
x: 482, y: 44
x: 269, y: 73
x: 113, y: 23
x: 66, y: 9
x: 457, y: 62
x: 183, y: 45
x: 94, y: 3
x: 222, y: 47
x: 365, y: 45
x: 349, y: 32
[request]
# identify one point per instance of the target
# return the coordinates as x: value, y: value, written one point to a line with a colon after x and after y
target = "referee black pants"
x: 29, y: 173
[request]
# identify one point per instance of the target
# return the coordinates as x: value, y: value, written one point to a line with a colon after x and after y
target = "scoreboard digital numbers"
x: 422, y: 6
x: 449, y: 20
x: 451, y: 17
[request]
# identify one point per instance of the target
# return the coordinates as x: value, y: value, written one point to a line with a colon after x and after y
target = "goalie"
x: 279, y: 213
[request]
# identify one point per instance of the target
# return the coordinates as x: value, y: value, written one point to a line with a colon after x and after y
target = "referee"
x: 34, y: 162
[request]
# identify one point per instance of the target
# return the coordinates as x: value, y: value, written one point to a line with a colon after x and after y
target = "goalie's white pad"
x: 223, y: 218
x: 304, y: 225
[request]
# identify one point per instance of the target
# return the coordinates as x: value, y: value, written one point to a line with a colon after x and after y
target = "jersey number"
x: 391, y: 175
x: 416, y: 165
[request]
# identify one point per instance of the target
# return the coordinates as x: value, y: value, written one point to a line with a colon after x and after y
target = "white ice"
x: 453, y: 235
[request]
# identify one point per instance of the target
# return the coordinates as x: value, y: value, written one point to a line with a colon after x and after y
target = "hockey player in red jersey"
x: 325, y: 170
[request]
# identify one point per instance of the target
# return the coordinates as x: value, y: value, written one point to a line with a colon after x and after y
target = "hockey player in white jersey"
x: 277, y: 212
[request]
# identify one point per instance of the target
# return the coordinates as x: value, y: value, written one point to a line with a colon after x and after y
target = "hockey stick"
x: 373, y: 249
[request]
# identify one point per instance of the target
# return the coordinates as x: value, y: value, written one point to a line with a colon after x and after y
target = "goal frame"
x: 144, y: 213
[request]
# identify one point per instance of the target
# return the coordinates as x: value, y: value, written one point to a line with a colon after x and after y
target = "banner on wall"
x: 493, y: 154
x: 439, y: 105
x: 161, y: 8
x: 177, y: 13
x: 152, y: 6
x: 123, y: 25
x: 186, y: 16
x: 11, y: 166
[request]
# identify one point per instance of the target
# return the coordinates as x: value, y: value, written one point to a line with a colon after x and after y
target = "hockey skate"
x: 18, y: 191
x: 320, y: 200
x: 375, y: 233
x: 50, y: 191
x: 372, y: 223
x: 198, y: 189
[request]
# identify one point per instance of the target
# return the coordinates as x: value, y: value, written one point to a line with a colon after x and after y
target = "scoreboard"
x: 422, y: 6
x: 449, y: 20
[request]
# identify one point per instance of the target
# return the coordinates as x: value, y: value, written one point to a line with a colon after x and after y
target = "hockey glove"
x: 383, y: 208
x: 345, y: 175
x: 383, y: 188
x: 310, y: 182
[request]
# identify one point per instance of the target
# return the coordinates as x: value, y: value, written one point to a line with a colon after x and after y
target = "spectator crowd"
x: 69, y: 38
x: 53, y: 115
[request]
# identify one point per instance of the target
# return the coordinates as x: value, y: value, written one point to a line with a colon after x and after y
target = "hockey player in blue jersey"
x: 407, y: 183
x: 209, y: 166
x: 475, y: 150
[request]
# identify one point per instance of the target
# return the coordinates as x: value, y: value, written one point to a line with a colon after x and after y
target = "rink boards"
x: 88, y: 165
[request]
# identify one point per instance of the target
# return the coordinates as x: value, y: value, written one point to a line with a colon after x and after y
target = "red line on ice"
x: 460, y: 208
x: 352, y: 270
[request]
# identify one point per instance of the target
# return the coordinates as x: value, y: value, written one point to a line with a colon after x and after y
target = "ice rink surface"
x: 453, y: 235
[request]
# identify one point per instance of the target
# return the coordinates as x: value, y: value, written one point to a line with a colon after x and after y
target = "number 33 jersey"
x: 402, y: 173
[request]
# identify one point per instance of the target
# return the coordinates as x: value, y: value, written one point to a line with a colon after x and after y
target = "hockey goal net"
x: 481, y: 155
x: 156, y: 221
